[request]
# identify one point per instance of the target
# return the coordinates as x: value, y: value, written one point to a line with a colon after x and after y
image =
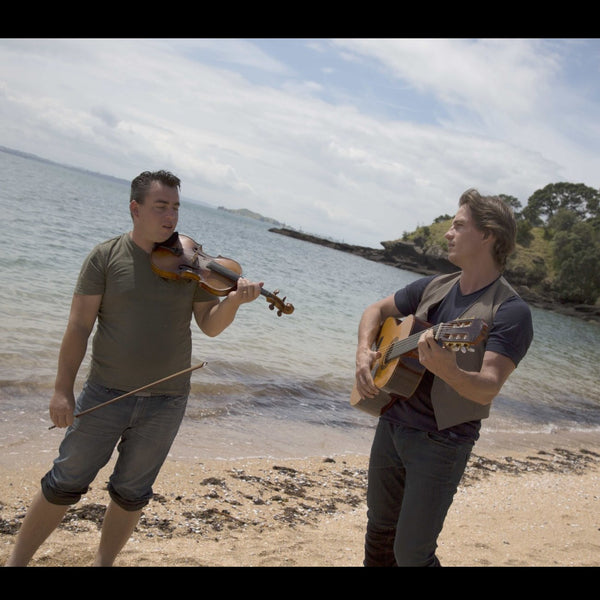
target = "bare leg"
x: 117, y: 528
x: 41, y: 520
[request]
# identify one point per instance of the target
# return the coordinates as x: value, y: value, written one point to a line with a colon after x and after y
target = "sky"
x: 357, y: 140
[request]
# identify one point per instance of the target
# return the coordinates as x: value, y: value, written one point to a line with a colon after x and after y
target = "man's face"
x: 156, y: 217
x: 465, y: 241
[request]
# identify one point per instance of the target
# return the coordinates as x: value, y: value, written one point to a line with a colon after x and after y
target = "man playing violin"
x: 142, y: 334
x: 423, y: 442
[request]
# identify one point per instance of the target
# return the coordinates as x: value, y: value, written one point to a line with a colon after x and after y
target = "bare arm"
x: 368, y: 328
x: 84, y: 310
x: 213, y: 317
x: 479, y: 386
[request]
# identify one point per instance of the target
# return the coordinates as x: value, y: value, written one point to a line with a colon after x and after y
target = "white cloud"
x: 358, y: 140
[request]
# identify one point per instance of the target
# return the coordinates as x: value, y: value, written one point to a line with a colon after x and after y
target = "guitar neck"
x: 408, y: 344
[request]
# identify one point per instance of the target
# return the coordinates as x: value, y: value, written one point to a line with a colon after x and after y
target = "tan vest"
x: 450, y: 408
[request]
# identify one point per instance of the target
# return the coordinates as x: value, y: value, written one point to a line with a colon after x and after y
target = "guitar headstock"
x: 461, y: 334
x: 275, y: 301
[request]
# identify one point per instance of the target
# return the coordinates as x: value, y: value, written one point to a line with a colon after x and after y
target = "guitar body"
x: 399, y: 376
x: 374, y: 406
x: 399, y: 371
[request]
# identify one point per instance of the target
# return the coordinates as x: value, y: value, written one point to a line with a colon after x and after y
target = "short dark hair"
x: 141, y: 185
x: 491, y: 214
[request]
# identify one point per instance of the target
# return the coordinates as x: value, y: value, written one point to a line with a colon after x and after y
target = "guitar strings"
x: 409, y: 342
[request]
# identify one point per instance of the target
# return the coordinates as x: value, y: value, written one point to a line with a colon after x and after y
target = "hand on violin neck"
x: 246, y: 291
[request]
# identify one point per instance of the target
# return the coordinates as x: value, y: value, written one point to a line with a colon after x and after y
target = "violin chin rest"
x: 171, y: 244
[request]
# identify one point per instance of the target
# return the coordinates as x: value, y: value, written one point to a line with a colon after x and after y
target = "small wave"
x: 513, y: 427
x: 576, y: 410
x: 320, y: 401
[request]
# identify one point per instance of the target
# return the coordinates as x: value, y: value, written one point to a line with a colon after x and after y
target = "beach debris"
x: 559, y: 460
x: 260, y: 496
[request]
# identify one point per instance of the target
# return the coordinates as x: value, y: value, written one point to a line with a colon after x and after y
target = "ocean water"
x: 272, y: 386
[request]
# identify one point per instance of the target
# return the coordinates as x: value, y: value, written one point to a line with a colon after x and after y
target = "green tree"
x: 524, y: 233
x: 513, y: 203
x: 576, y: 253
x: 563, y: 220
x: 583, y: 200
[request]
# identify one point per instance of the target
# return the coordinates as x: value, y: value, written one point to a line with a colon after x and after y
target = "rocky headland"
x: 408, y: 256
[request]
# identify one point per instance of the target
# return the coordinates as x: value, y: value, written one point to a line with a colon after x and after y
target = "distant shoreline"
x: 30, y: 156
x: 244, y: 212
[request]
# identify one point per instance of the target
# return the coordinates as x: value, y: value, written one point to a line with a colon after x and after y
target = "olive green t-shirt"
x: 143, y: 329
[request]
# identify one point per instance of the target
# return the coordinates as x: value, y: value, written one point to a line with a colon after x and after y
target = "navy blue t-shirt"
x: 510, y: 335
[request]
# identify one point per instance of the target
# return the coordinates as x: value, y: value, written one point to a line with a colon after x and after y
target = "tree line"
x: 567, y: 218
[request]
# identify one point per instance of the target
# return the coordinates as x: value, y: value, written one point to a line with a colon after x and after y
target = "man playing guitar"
x: 424, y: 437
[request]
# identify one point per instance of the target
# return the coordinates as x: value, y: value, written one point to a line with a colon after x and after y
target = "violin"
x: 180, y: 257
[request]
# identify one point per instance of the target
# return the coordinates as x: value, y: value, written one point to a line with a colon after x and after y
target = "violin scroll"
x: 274, y: 300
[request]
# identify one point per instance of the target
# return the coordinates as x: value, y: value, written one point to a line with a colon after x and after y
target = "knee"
x: 55, y: 495
x: 129, y: 502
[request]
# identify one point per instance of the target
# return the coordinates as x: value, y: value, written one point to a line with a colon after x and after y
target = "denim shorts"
x: 142, y: 428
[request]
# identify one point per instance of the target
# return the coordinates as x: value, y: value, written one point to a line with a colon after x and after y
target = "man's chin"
x: 167, y: 236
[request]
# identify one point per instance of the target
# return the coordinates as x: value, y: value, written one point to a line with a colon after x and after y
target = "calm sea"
x: 272, y: 386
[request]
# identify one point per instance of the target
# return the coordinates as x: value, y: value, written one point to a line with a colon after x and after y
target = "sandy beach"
x: 534, y: 507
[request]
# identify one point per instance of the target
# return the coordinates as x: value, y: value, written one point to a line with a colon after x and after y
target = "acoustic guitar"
x: 399, y: 371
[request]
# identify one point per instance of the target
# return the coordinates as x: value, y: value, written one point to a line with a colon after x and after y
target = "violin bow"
x: 134, y: 392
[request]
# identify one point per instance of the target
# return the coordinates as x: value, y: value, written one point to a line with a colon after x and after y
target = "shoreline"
x: 534, y: 506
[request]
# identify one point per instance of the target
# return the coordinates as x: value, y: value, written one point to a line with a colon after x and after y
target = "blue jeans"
x: 141, y: 427
x: 413, y: 476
